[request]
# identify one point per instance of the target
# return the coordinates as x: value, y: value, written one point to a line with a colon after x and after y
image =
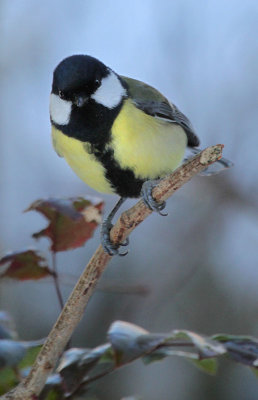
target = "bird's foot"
x: 111, y: 248
x: 148, y: 199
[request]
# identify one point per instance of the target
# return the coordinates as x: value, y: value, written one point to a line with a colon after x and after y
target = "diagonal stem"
x: 56, y: 280
x: 74, y: 308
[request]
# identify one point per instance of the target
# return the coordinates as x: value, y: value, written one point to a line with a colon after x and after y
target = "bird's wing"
x: 152, y: 102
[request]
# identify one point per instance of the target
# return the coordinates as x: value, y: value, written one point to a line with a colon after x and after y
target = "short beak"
x: 79, y: 101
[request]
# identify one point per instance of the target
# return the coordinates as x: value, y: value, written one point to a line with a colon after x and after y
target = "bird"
x: 118, y: 134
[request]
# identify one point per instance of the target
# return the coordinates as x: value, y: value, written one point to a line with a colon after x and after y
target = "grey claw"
x: 125, y: 243
x: 123, y: 254
x: 153, y: 205
x: 109, y: 247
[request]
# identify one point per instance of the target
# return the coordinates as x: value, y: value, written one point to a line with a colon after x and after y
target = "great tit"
x: 115, y: 132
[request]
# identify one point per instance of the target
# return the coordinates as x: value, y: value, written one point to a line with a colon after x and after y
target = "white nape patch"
x: 60, y: 110
x: 111, y: 91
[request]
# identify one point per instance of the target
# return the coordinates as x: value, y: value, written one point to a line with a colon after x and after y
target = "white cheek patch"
x: 60, y: 110
x: 111, y: 91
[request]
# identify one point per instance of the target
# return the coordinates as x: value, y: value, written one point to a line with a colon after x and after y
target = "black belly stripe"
x: 122, y: 180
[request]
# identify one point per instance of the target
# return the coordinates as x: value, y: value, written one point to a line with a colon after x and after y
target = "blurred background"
x: 198, y: 265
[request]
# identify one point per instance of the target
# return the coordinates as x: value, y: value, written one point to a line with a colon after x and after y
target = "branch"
x: 74, y: 308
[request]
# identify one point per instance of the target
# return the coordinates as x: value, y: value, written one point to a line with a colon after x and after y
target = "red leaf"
x: 24, y: 265
x: 72, y: 221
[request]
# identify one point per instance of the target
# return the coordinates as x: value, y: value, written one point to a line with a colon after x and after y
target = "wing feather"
x: 153, y: 103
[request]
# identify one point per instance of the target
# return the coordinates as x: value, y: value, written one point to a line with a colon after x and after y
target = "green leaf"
x: 244, y: 352
x: 123, y: 337
x: 79, y: 368
x: 53, y: 394
x: 255, y: 371
x: 223, y: 337
x: 72, y: 221
x: 153, y: 357
x: 208, y: 365
x: 30, y: 356
x: 53, y: 389
x: 242, y: 348
x: 11, y: 353
x: 71, y: 357
x: 207, y: 347
x: 24, y: 265
x: 79, y: 365
x: 8, y: 379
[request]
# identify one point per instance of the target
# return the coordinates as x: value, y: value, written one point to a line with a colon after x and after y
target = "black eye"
x: 61, y: 94
x: 97, y: 82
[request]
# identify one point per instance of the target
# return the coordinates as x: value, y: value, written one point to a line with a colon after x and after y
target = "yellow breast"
x: 81, y: 161
x: 149, y: 146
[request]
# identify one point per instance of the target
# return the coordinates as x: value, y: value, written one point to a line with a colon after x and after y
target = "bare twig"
x: 74, y: 308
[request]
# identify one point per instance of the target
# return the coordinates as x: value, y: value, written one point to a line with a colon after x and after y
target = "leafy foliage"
x: 127, y: 342
x: 24, y: 265
x: 71, y: 221
x: 79, y: 368
x: 15, y: 356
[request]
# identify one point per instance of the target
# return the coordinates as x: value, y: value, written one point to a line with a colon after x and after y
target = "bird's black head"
x: 84, y: 89
x: 77, y: 77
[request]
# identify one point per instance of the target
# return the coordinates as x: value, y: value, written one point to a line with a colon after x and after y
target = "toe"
x: 109, y: 247
x: 146, y: 193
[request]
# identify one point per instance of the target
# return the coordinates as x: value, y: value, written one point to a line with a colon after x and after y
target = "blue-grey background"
x: 200, y: 263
